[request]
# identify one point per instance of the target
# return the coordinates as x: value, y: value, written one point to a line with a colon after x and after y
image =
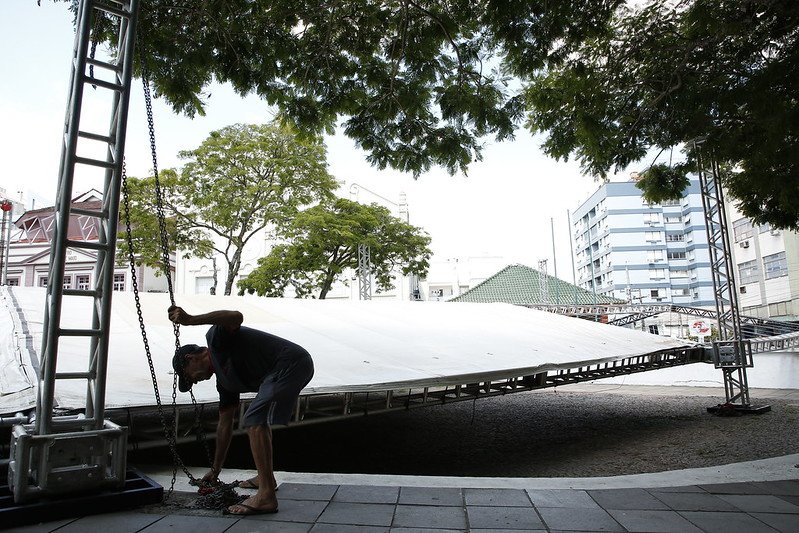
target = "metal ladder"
x: 59, y: 454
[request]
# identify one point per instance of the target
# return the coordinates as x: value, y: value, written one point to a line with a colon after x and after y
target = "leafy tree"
x: 723, y: 74
x: 323, y: 243
x: 417, y: 82
x: 145, y: 231
x: 241, y: 180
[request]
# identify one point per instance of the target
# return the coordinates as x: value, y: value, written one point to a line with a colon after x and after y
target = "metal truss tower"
x: 364, y: 273
x: 732, y: 354
x: 59, y: 454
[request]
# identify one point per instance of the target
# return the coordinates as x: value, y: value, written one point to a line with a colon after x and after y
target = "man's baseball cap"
x: 179, y: 363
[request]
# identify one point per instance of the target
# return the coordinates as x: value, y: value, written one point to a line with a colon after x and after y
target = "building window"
x: 657, y: 273
x: 775, y: 265
x: 678, y: 273
x: 654, y: 256
x: 653, y: 329
x: 763, y: 228
x: 742, y: 228
x: 748, y: 272
x: 672, y: 203
x: 653, y: 236
x: 67, y: 282
x: 82, y: 282
x: 119, y: 282
x: 681, y: 292
x: 676, y: 255
x: 651, y: 218
x: 778, y: 309
x: 12, y: 282
x: 672, y: 219
x: 43, y: 281
x: 654, y: 293
x: 675, y: 237
x: 743, y: 289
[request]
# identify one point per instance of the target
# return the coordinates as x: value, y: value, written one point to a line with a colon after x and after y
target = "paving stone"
x: 358, y: 514
x: 788, y: 487
x: 429, y: 516
x: 337, y: 528
x: 366, y: 494
x: 734, y: 488
x: 654, y: 521
x: 504, y: 518
x: 497, y: 497
x: 427, y: 530
x: 624, y: 499
x: 760, y: 503
x: 693, y: 501
x: 787, y: 523
x: 473, y: 530
x: 431, y: 496
x: 719, y: 522
x: 306, y: 491
x: 582, y: 520
x: 117, y: 522
x: 790, y: 499
x: 43, y: 527
x: 191, y: 524
x: 249, y: 526
x: 684, y: 488
x: 573, y: 499
x: 306, y: 511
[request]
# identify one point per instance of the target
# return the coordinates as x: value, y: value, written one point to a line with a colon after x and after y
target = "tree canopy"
x: 415, y: 82
x: 322, y: 245
x: 424, y: 82
x: 241, y: 180
x: 717, y: 78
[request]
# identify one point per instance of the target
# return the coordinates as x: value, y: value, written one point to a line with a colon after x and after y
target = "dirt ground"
x: 550, y: 433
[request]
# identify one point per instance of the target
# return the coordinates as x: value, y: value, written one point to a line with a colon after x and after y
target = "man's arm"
x: 230, y: 320
x: 224, y: 434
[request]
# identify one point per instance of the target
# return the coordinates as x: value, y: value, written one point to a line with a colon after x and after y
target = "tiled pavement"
x: 726, y: 508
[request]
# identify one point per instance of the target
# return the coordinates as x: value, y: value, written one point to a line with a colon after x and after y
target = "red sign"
x: 6, y: 205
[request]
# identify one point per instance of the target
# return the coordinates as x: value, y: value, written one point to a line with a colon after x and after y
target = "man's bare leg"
x: 252, y: 483
x: 261, y: 446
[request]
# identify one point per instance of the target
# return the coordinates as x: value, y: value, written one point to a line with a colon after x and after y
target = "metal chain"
x: 169, y: 429
x: 164, y: 236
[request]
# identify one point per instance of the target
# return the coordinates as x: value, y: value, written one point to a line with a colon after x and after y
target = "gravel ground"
x: 549, y: 433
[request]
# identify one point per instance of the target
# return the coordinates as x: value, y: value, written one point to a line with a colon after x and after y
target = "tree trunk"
x: 232, y: 270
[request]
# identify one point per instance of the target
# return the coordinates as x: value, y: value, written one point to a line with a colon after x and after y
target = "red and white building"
x: 28, y: 262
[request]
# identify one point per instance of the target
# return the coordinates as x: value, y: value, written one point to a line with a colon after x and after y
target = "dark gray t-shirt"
x: 244, y: 358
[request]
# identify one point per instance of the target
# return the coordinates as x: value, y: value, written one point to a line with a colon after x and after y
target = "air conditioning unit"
x: 744, y: 244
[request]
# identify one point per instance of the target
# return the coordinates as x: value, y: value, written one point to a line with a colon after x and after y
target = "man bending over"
x: 244, y: 360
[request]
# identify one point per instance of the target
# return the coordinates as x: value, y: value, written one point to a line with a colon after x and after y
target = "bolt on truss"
x: 60, y: 454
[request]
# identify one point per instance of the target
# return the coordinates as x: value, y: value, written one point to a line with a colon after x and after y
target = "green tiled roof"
x: 519, y: 285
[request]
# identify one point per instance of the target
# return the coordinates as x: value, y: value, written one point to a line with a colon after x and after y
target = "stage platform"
x: 369, y: 355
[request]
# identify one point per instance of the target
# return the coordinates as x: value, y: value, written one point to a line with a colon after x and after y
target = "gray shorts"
x: 278, y: 393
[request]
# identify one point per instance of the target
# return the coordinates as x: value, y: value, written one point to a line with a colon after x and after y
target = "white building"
x: 644, y: 253
x: 767, y: 268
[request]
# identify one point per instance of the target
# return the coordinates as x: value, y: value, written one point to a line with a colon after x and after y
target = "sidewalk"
x: 746, y: 497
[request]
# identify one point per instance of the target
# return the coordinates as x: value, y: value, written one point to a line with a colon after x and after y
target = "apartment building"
x: 645, y: 253
x: 766, y: 267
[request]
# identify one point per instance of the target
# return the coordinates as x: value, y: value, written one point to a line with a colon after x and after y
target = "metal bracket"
x: 66, y: 463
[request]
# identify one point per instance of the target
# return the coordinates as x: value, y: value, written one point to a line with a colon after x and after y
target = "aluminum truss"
x: 731, y: 354
x: 60, y: 454
x: 364, y: 273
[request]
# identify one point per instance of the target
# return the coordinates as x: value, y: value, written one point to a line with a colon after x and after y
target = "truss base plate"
x: 139, y: 490
x: 736, y: 410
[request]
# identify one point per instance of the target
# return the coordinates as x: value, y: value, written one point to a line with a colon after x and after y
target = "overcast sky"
x: 502, y: 208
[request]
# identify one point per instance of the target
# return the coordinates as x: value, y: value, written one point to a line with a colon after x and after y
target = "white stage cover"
x: 356, y: 346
